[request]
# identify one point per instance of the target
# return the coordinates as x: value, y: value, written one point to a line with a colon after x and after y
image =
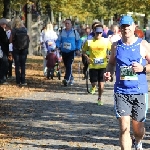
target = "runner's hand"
x: 137, y: 67
x: 89, y: 60
x: 107, y: 76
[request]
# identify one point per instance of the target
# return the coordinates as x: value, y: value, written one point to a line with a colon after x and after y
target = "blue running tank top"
x: 127, y: 81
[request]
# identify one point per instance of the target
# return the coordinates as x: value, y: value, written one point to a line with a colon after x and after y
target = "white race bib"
x: 98, y: 61
x: 126, y: 73
x: 67, y: 45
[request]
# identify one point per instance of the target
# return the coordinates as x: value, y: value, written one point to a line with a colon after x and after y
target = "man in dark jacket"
x: 4, y: 43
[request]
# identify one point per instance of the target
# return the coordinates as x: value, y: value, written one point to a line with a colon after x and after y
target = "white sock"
x: 138, y: 145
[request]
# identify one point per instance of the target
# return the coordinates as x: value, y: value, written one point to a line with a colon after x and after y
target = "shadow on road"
x: 60, y: 119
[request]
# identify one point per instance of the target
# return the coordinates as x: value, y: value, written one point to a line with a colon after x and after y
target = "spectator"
x: 20, y: 41
x: 10, y: 55
x: 47, y: 39
x: 51, y: 62
x: 4, y: 44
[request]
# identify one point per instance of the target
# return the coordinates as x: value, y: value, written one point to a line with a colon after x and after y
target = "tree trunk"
x: 6, y: 12
x: 29, y: 26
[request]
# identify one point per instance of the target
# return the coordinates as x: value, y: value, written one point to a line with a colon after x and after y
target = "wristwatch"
x: 144, y: 68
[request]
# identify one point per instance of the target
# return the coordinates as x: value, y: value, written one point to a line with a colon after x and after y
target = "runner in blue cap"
x: 129, y: 56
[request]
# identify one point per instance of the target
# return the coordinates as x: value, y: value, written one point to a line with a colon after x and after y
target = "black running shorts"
x: 96, y: 75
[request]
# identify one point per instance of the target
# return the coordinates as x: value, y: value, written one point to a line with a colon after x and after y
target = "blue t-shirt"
x: 109, y: 33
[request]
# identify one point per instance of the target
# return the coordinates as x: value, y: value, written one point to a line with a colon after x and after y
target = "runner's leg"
x: 44, y: 53
x: 100, y: 84
x: 100, y: 89
x: 64, y: 58
x: 139, y: 110
x: 93, y: 73
x: 125, y: 139
x: 123, y: 109
x: 138, y: 130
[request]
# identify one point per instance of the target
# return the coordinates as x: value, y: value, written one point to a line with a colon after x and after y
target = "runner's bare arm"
x: 112, y: 62
x: 146, y: 47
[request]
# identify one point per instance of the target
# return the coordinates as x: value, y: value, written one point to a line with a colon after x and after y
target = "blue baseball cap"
x: 126, y: 20
x: 98, y: 29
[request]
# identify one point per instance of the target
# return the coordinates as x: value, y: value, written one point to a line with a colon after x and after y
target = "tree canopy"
x: 87, y: 8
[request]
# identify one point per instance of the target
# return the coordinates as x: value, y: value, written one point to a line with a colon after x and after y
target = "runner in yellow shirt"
x: 97, y: 59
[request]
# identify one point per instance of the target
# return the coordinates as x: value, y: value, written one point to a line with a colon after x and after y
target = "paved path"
x: 54, y: 120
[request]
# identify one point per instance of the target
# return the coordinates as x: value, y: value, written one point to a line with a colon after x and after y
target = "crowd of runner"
x: 122, y: 50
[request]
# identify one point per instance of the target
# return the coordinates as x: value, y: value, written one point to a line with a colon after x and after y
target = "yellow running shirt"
x: 97, y: 52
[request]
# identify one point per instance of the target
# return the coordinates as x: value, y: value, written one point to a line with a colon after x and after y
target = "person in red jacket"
x: 138, y: 32
x: 51, y: 58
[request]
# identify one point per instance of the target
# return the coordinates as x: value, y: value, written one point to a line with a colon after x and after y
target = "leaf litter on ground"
x: 36, y: 83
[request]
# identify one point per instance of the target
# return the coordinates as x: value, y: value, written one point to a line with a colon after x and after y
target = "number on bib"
x: 67, y: 45
x: 98, y: 61
x: 126, y: 73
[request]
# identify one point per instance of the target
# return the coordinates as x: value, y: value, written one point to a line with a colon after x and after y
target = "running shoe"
x: 96, y: 89
x: 93, y: 90
x: 138, y: 146
x: 71, y: 82
x: 99, y: 102
x: 65, y: 82
x: 24, y: 84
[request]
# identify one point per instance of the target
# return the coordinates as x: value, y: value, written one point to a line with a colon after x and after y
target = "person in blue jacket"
x: 69, y: 43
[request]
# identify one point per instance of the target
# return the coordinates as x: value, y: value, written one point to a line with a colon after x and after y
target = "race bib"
x: 126, y: 73
x: 67, y: 45
x: 98, y: 61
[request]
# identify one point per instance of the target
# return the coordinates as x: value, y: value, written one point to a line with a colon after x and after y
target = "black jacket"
x: 4, y: 42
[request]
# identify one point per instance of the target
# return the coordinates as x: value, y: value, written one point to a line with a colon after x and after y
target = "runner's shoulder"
x: 145, y: 49
x: 144, y: 43
x: 145, y: 46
